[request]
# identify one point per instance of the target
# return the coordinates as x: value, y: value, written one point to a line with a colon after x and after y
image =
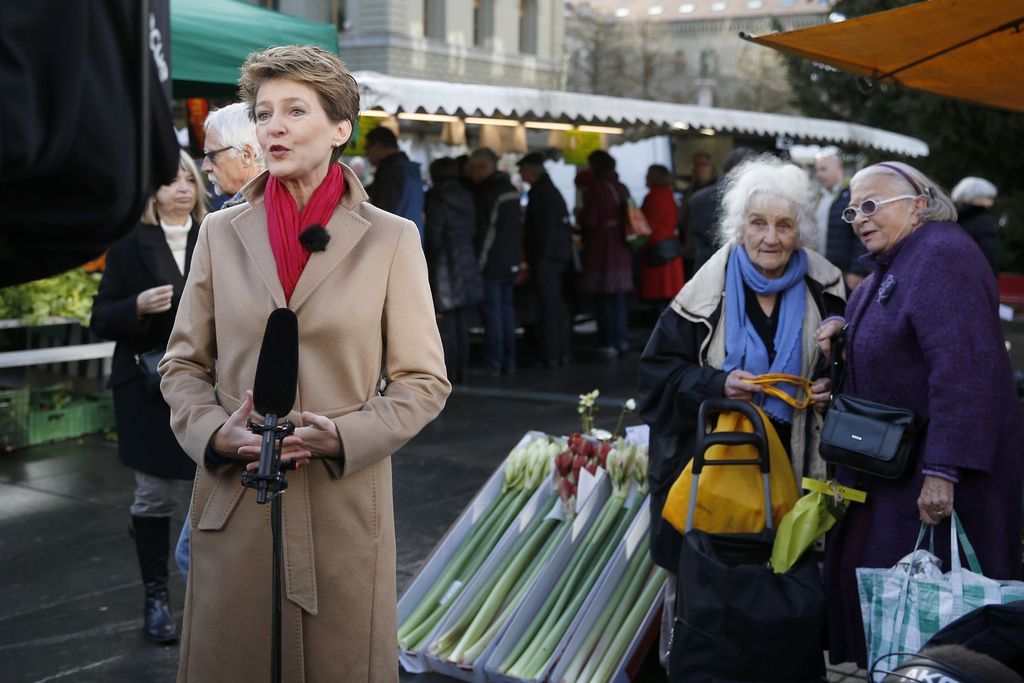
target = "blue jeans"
x: 612, y: 322
x: 181, y: 551
x: 498, y: 311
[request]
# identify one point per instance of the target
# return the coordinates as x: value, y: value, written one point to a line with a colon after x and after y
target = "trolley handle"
x: 707, y: 438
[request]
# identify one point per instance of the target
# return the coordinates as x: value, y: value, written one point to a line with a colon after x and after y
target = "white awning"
x: 396, y: 95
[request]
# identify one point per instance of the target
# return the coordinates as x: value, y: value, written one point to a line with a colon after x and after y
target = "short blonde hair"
x: 311, y: 66
x: 771, y: 176
x: 198, y: 212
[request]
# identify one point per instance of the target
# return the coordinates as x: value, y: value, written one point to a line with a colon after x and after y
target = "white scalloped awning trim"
x: 395, y: 95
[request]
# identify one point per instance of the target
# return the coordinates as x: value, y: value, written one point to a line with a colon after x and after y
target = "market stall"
x: 565, y: 112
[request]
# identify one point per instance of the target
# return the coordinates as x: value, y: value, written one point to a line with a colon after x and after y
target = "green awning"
x: 211, y: 38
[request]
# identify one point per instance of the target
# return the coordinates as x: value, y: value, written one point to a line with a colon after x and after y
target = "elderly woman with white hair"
x: 973, y: 198
x: 753, y: 308
x: 924, y: 334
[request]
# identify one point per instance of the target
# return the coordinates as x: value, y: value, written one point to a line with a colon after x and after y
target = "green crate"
x: 56, y: 424
x: 96, y: 412
x: 14, y: 410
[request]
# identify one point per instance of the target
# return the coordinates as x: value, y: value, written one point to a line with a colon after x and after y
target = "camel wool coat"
x: 364, y: 313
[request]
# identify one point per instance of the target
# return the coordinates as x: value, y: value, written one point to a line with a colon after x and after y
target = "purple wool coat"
x: 925, y: 335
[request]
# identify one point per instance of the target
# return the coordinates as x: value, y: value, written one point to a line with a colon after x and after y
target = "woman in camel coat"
x: 364, y: 313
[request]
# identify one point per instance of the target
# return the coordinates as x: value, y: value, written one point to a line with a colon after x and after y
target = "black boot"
x: 152, y: 539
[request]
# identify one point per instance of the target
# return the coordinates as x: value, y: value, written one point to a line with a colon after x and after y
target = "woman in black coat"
x: 454, y: 274
x: 136, y: 304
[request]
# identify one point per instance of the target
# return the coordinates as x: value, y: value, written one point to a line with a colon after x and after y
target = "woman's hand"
x: 154, y: 300
x: 824, y: 334
x: 936, y: 500
x: 317, y: 438
x: 821, y: 392
x: 735, y: 387
x: 234, y: 436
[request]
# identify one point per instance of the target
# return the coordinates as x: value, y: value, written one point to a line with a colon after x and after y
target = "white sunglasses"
x: 869, y: 206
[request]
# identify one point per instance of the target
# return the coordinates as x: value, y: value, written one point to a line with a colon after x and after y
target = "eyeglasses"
x: 869, y: 206
x: 211, y: 155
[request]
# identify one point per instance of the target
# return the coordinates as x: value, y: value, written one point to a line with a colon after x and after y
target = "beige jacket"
x: 363, y: 300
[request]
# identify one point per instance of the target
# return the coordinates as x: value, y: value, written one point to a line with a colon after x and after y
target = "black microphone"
x: 273, y: 390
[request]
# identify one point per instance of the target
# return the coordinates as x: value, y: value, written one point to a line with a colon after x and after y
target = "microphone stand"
x: 270, y: 483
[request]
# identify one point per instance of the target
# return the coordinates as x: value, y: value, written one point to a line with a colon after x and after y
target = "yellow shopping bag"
x: 730, y: 499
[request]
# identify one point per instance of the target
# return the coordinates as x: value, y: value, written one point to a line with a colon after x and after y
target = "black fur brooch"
x: 315, y: 238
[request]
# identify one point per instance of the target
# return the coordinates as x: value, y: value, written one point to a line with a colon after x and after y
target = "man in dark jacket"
x: 703, y: 211
x: 397, y: 184
x: 547, y: 242
x: 498, y: 236
x: 836, y: 240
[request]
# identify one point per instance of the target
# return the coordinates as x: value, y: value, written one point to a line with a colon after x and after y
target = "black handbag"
x: 148, y: 363
x: 866, y: 436
x: 662, y: 252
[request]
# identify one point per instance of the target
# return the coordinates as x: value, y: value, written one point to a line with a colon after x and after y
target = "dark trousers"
x: 498, y: 311
x: 612, y: 323
x: 552, y: 330
x: 453, y: 326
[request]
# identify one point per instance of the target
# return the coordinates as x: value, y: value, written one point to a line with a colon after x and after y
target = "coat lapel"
x: 251, y: 228
x: 157, y: 257
x: 346, y: 228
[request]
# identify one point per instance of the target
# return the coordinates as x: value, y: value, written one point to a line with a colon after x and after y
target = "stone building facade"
x: 684, y: 51
x: 499, y: 42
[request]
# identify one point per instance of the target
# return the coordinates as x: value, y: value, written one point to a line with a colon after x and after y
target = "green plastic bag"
x: 810, y: 518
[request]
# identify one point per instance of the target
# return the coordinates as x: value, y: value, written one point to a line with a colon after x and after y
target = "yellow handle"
x: 802, y: 383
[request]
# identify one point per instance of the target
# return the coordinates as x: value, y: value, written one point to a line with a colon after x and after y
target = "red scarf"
x: 285, y: 223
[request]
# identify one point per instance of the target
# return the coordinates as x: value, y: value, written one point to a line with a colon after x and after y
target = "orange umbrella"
x: 967, y: 49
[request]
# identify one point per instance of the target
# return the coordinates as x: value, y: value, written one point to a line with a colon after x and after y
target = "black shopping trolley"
x: 736, y: 619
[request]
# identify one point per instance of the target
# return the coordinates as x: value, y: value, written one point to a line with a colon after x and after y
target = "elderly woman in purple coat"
x: 924, y: 334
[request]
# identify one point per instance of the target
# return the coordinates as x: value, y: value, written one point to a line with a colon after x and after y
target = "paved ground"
x: 71, y: 597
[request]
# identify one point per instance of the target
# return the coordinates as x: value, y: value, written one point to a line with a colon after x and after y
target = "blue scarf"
x: 744, y: 348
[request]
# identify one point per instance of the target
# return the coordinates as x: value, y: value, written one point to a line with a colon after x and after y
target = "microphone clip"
x: 269, y: 479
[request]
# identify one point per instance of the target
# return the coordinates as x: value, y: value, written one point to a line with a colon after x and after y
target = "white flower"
x: 631, y: 405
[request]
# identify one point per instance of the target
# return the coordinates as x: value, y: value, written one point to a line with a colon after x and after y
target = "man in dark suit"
x: 836, y: 240
x: 547, y: 241
x: 397, y: 183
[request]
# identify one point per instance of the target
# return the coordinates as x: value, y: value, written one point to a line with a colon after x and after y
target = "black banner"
x: 159, y: 40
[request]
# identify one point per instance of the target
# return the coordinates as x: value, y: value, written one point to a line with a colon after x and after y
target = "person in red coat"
x: 661, y: 263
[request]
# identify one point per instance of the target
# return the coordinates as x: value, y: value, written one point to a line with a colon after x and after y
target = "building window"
x: 719, y: 6
x: 483, y: 22
x: 680, y: 62
x: 528, y: 27
x: 687, y: 8
x: 434, y: 19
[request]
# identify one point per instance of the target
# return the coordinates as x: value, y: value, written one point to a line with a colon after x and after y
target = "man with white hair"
x: 836, y: 239
x: 232, y: 154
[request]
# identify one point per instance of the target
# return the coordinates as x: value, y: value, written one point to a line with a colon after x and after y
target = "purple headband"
x: 907, y: 177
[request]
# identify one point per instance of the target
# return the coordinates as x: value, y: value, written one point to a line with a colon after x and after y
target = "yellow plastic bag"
x: 810, y: 518
x: 730, y: 499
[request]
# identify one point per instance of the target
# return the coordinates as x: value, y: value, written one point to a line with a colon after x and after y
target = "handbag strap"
x: 767, y: 382
x: 837, y: 371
